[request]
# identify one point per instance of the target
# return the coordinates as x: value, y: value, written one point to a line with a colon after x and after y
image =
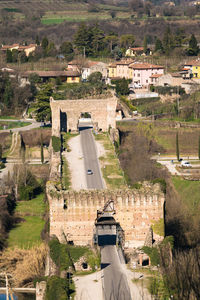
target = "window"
x: 147, y: 81
x: 138, y: 75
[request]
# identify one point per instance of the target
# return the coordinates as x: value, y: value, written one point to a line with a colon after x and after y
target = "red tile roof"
x: 193, y: 63
x: 145, y: 66
x: 124, y: 62
x: 67, y: 73
x: 137, y: 49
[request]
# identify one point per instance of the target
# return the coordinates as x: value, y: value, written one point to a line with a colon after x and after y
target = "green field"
x: 27, y: 233
x: 189, y: 192
x: 11, y: 125
x: 165, y: 136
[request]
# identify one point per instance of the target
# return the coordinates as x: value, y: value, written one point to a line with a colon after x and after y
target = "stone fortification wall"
x: 74, y: 213
x: 103, y: 112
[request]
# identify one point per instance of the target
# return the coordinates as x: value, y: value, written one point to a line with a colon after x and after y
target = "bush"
x: 56, y: 143
x: 153, y: 253
x: 26, y: 192
x: 57, y: 288
x: 162, y: 183
x: 59, y: 254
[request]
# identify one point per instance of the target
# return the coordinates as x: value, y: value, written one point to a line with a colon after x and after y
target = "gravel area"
x: 76, y: 162
x: 89, y: 287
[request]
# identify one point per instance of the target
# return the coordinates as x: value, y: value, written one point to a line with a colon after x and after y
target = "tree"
x: 95, y: 77
x: 199, y: 148
x: 43, y: 110
x: 83, y: 39
x: 127, y: 40
x: 1, y: 152
x: 168, y: 41
x: 117, y: 53
x: 193, y: 49
x: 145, y: 44
x: 97, y: 39
x: 9, y: 56
x: 67, y: 50
x: 111, y: 41
x: 177, y: 147
x: 42, y: 150
x: 113, y: 14
x: 158, y: 46
x: 37, y: 41
x: 122, y: 87
x: 45, y: 43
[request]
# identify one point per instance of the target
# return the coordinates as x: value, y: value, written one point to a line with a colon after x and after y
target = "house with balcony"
x: 141, y: 73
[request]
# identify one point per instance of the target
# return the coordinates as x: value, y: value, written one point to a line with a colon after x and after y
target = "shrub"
x: 153, y: 253
x: 57, y: 288
x: 56, y: 143
x: 26, y: 192
x: 162, y: 183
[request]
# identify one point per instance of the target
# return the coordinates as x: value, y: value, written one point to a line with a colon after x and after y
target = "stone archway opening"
x: 85, y: 121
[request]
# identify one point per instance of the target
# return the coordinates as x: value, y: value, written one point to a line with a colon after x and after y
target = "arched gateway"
x: 66, y: 113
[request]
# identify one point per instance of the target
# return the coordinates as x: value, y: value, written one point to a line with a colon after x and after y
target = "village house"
x: 170, y: 79
x: 27, y: 49
x: 122, y: 68
x: 69, y: 76
x: 141, y: 73
x: 191, y: 69
x: 119, y: 69
x: 112, y: 71
x: 132, y: 52
x: 94, y: 66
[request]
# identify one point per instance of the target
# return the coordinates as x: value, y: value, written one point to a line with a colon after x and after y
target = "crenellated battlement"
x: 74, y: 212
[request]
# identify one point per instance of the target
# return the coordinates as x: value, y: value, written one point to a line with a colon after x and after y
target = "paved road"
x: 91, y: 162
x: 33, y: 125
x: 115, y: 284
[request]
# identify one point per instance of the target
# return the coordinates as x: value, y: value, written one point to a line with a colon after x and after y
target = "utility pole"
x: 7, y: 294
x: 84, y: 52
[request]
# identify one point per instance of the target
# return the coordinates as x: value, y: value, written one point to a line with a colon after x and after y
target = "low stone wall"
x: 74, y: 213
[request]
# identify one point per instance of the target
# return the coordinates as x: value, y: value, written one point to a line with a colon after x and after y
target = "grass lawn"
x: 166, y: 137
x: 27, y: 233
x: 10, y: 125
x: 189, y: 192
x: 188, y: 140
x: 112, y: 172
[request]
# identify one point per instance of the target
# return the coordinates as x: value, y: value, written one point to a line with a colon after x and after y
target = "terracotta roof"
x: 193, y: 63
x: 89, y: 64
x: 67, y: 73
x: 137, y: 49
x: 156, y: 75
x: 176, y: 75
x: 145, y: 66
x: 124, y: 62
x: 113, y: 65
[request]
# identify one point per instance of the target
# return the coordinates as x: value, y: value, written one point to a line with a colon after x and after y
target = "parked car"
x: 89, y: 172
x: 185, y: 164
x: 137, y: 85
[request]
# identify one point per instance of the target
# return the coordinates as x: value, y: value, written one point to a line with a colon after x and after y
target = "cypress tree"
x: 177, y: 146
x: 199, y: 147
x: 1, y: 152
x: 42, y: 150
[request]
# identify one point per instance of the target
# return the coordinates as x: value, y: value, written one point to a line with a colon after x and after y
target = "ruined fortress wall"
x: 74, y: 213
x: 103, y: 112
